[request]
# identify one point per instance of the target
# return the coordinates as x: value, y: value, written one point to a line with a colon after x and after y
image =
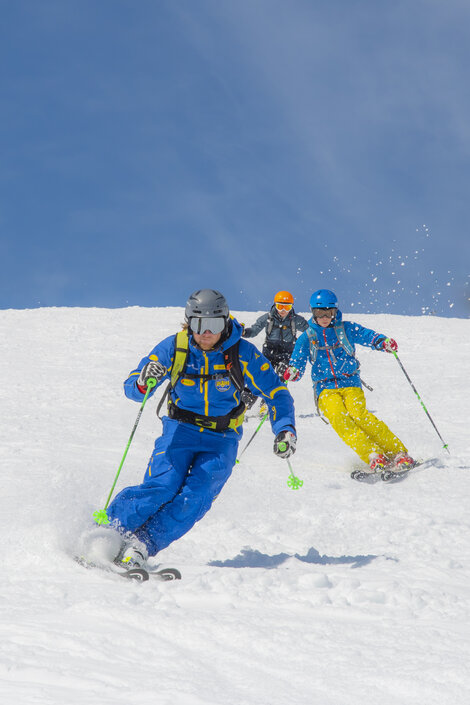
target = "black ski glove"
x: 151, y: 369
x: 284, y: 444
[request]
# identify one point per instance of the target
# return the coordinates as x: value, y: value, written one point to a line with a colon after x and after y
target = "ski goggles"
x: 283, y: 307
x: 320, y: 312
x: 201, y: 325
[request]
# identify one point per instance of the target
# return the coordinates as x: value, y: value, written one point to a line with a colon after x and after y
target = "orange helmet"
x: 283, y: 297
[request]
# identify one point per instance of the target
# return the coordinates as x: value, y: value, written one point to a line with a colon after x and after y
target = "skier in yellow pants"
x: 329, y: 344
x: 346, y: 411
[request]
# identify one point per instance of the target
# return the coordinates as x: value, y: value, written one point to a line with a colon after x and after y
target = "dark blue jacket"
x: 283, y: 331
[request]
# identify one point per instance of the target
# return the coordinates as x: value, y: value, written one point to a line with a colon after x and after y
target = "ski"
x: 140, y: 575
x: 369, y: 478
x: 143, y: 574
x: 389, y: 475
x: 166, y: 574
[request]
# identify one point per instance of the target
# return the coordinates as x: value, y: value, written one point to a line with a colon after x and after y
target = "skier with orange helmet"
x: 281, y: 324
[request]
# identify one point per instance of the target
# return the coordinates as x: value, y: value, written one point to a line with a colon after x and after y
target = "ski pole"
x: 292, y: 481
x: 252, y: 437
x: 444, y: 444
x: 100, y: 516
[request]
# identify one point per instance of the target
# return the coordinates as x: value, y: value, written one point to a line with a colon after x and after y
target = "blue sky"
x: 153, y: 147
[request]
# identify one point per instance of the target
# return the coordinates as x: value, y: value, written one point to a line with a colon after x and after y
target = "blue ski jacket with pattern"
x: 331, y: 352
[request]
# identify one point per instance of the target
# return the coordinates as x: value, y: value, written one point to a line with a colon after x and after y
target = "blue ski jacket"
x: 334, y: 364
x: 218, y: 397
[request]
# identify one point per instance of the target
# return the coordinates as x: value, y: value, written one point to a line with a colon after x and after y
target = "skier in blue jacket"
x: 194, y: 457
x: 329, y: 345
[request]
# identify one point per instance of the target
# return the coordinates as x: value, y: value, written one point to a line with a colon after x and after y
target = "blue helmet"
x: 323, y: 298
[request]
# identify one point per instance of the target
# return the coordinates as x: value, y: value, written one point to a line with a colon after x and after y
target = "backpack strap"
x: 232, y: 365
x: 343, y: 339
x: 181, y: 356
x: 293, y: 327
x: 231, y: 421
x: 178, y: 366
x: 313, y: 344
x: 269, y: 325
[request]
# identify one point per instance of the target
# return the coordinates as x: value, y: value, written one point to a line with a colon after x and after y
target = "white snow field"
x: 339, y: 593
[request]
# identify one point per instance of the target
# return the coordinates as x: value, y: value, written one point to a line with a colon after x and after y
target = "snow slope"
x: 338, y: 594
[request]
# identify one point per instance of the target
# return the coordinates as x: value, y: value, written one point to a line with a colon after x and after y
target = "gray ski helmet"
x: 206, y: 303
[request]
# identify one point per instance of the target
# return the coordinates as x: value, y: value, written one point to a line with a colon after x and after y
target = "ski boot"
x: 133, y: 555
x: 399, y: 466
x: 403, y: 462
x: 377, y: 463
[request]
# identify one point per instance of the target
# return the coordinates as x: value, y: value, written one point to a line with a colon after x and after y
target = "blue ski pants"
x: 186, y: 472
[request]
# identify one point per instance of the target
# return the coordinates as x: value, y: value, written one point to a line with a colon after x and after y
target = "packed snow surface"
x: 339, y: 593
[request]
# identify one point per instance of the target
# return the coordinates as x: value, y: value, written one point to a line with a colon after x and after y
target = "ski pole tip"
x: 101, y: 517
x: 294, y: 482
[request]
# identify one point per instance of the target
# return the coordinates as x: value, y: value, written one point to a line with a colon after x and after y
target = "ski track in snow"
x: 339, y: 593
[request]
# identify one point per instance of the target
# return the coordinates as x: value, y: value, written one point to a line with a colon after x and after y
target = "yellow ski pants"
x: 346, y: 411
